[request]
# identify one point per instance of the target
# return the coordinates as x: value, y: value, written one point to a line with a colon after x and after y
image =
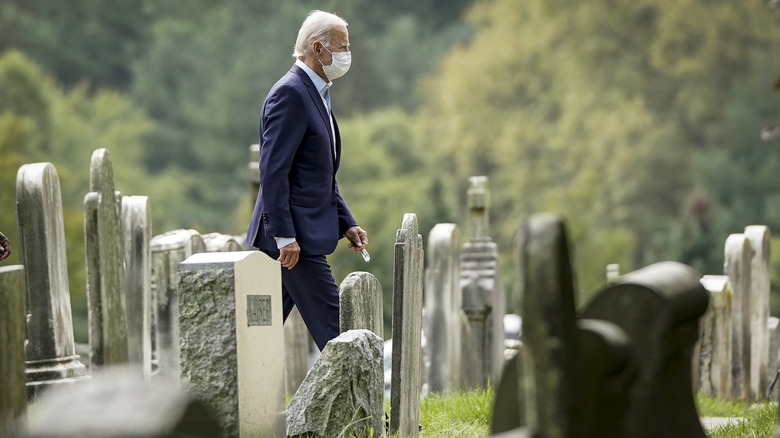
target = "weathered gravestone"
x: 105, y: 265
x: 168, y: 250
x: 230, y: 328
x: 217, y: 242
x: 406, y: 381
x: 50, y: 350
x: 658, y: 307
x: 773, y: 376
x: 758, y: 236
x: 137, y: 222
x: 443, y: 301
x: 13, y: 396
x: 361, y: 307
x: 712, y: 356
x: 343, y: 394
x: 483, y: 293
x: 296, y: 351
x: 119, y: 403
x: 737, y: 261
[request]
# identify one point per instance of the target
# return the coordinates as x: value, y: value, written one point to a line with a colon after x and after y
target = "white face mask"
x: 338, y: 66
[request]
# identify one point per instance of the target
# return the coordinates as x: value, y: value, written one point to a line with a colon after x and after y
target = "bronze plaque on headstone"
x: 258, y: 309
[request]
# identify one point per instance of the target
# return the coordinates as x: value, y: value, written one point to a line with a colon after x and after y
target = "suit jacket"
x: 298, y: 194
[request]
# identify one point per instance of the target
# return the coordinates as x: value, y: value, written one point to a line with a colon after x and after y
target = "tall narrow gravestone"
x: 105, y: 265
x: 712, y: 357
x: 483, y: 293
x: 296, y: 351
x: 737, y: 267
x: 13, y: 399
x: 405, y: 387
x: 50, y: 351
x: 758, y: 236
x: 443, y: 302
x: 137, y: 220
x: 230, y: 327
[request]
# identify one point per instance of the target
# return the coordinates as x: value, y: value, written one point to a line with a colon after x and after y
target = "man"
x: 299, y: 215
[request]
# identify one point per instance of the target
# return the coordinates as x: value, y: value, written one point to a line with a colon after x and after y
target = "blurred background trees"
x: 638, y: 120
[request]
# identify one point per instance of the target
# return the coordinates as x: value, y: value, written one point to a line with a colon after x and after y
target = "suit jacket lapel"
x: 317, y: 98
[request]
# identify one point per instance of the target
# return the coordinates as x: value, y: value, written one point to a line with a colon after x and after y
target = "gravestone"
x: 13, y: 396
x: 758, y: 236
x: 230, y: 327
x: 406, y: 381
x: 773, y: 374
x: 443, y: 301
x: 216, y: 242
x: 658, y: 307
x: 105, y: 265
x: 137, y: 222
x: 50, y: 350
x: 296, y: 351
x: 480, y: 281
x: 168, y: 250
x: 712, y: 356
x: 550, y: 341
x: 737, y: 266
x: 361, y: 306
x: 343, y: 394
x: 119, y: 403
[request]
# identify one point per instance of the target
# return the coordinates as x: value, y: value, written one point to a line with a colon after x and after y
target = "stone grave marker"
x: 482, y: 289
x: 13, y: 396
x: 216, y: 242
x: 137, y: 222
x: 105, y: 265
x: 443, y: 301
x: 296, y: 351
x: 737, y: 265
x: 758, y: 236
x: 343, y: 395
x: 50, y: 350
x: 406, y: 382
x: 230, y: 327
x: 712, y: 356
x: 360, y: 298
x: 168, y: 250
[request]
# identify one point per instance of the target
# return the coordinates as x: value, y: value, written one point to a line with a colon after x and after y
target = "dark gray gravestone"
x: 13, y: 398
x: 50, y: 350
x: 103, y: 234
x: 119, y: 403
x: 343, y: 393
x: 550, y: 341
x: 360, y: 296
x: 406, y: 383
x: 658, y: 307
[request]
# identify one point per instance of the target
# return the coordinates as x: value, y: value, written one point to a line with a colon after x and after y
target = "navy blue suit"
x: 299, y: 198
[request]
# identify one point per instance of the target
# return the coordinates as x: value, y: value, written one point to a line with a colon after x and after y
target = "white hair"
x: 317, y: 26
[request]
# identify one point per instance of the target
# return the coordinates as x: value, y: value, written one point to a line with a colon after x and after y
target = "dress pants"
x: 310, y: 286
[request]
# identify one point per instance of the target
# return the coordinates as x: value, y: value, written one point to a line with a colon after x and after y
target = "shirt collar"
x: 319, y: 83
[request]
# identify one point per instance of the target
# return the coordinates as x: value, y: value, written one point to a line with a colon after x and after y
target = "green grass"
x: 761, y: 419
x: 465, y: 414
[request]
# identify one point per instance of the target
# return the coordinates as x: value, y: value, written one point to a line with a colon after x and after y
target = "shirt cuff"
x: 283, y: 241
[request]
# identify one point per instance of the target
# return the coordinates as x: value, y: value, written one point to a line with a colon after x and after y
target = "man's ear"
x: 316, y: 47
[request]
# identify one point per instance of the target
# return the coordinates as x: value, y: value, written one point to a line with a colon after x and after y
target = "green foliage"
x: 760, y: 419
x: 458, y: 414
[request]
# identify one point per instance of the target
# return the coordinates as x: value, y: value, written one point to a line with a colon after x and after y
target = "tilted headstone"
x: 712, y: 356
x: 296, y: 351
x: 137, y: 222
x: 343, y: 395
x: 361, y: 307
x: 483, y: 293
x: 230, y: 327
x: 443, y: 302
x: 406, y: 381
x: 13, y: 396
x: 120, y: 403
x: 550, y: 339
x: 216, y: 242
x: 103, y: 234
x: 168, y: 250
x: 50, y: 350
x: 758, y: 235
x: 658, y: 307
x: 737, y: 266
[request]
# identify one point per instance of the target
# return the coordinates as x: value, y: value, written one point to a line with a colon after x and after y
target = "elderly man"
x: 299, y: 215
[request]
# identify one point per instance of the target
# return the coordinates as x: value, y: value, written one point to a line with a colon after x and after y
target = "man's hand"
x: 5, y: 247
x: 357, y: 237
x: 289, y: 255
